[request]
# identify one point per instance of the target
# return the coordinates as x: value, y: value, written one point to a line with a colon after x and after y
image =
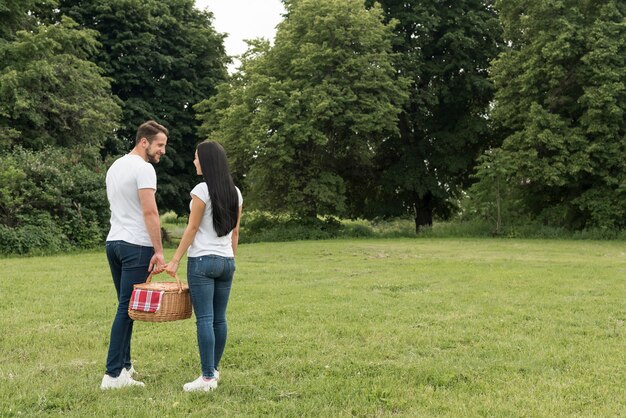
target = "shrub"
x: 40, y: 237
x: 172, y: 218
x: 358, y: 230
x: 51, y: 200
x: 257, y: 226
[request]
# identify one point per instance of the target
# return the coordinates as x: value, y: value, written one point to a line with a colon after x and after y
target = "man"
x: 133, y: 246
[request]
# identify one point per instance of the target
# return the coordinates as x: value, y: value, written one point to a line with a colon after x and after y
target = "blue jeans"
x: 129, y: 265
x: 210, y: 278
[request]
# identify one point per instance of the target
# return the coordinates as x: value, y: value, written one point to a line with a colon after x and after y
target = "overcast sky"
x: 243, y: 19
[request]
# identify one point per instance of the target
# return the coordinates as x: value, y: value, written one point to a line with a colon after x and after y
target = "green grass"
x: 406, y: 327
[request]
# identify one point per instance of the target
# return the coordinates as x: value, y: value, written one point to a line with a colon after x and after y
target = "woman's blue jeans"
x: 210, y: 279
x: 129, y: 265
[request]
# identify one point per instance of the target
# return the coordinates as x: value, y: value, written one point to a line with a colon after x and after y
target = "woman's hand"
x: 171, y: 268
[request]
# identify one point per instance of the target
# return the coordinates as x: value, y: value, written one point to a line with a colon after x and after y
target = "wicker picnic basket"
x: 175, y: 304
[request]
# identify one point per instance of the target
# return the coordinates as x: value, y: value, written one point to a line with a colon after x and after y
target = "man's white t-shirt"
x: 124, y: 178
x: 206, y: 241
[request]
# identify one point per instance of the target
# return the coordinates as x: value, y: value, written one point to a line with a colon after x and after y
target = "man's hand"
x: 157, y: 263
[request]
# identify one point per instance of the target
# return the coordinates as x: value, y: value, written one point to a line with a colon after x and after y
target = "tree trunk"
x: 423, y: 211
x: 498, y: 207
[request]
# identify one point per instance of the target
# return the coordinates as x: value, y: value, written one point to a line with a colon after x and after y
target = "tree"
x: 56, y: 111
x: 229, y: 117
x: 444, y: 48
x: 18, y: 15
x: 162, y: 57
x: 51, y: 94
x: 560, y: 102
x: 492, y: 197
x: 305, y: 117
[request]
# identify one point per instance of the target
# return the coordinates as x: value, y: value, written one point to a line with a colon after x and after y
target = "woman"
x: 211, y: 237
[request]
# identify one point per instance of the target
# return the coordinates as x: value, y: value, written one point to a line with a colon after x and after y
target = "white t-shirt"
x: 206, y: 241
x: 125, y: 177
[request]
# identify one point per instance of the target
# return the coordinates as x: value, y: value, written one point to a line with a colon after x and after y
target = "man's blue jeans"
x: 129, y: 265
x: 210, y: 279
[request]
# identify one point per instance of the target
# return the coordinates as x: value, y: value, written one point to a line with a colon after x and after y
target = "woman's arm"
x: 235, y: 236
x: 195, y: 218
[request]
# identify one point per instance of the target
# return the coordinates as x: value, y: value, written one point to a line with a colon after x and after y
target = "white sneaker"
x: 200, y: 385
x: 131, y: 372
x: 216, y: 374
x: 123, y: 380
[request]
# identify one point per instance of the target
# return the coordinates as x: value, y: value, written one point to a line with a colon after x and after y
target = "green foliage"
x: 51, y: 200
x: 51, y: 94
x: 302, y: 120
x: 18, y: 15
x: 163, y: 57
x: 445, y: 48
x: 493, y: 197
x: 41, y: 235
x: 560, y: 104
x: 257, y: 226
x: 56, y: 112
x: 172, y: 218
x: 473, y: 227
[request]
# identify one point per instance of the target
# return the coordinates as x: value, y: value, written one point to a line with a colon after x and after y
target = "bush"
x: 527, y: 230
x: 358, y: 230
x: 41, y: 237
x: 254, y: 222
x: 173, y: 219
x: 394, y: 228
x: 257, y: 226
x: 51, y: 200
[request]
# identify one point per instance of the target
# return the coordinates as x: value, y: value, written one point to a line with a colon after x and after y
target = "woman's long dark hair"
x: 224, y: 198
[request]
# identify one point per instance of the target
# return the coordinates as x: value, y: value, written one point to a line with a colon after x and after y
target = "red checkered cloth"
x: 146, y: 300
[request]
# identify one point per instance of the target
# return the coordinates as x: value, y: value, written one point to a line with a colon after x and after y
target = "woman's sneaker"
x: 216, y: 374
x: 123, y: 380
x: 200, y: 384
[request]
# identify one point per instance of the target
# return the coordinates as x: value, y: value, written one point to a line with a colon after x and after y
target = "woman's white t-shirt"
x: 206, y: 241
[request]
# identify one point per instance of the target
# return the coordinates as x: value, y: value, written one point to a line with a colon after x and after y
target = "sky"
x: 243, y: 19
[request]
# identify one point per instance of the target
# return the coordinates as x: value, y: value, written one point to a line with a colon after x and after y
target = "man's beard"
x: 153, y: 158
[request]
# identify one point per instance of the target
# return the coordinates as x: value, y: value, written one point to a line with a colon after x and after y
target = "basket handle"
x: 180, y: 286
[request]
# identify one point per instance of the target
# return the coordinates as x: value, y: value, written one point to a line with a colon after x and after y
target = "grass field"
x: 407, y: 327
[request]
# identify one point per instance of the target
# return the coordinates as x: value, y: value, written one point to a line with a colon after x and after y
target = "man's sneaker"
x: 131, y: 371
x: 216, y: 374
x: 200, y: 384
x: 123, y: 380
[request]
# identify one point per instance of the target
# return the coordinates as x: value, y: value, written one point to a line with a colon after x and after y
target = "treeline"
x: 76, y: 79
x: 510, y: 110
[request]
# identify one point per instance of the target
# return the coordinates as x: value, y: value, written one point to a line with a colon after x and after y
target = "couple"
x: 134, y: 248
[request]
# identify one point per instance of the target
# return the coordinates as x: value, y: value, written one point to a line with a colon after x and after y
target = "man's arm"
x: 153, y: 225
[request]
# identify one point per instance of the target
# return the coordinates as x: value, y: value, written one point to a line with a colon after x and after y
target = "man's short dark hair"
x: 149, y: 130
